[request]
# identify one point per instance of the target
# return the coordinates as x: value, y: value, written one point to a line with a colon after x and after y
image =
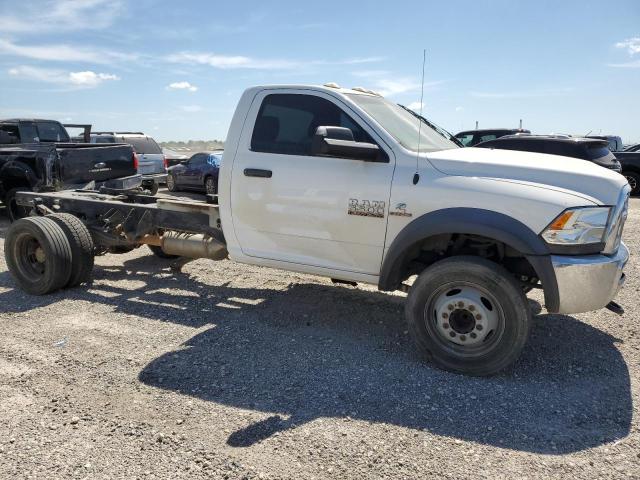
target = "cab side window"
x: 286, y: 123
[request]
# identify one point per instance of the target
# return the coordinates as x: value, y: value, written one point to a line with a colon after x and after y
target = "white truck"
x: 347, y: 185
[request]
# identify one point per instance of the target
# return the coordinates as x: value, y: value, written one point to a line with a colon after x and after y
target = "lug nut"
x: 460, y: 304
x: 463, y: 338
x: 472, y: 308
x: 445, y: 315
x: 473, y: 335
x: 452, y: 334
x: 450, y: 306
x: 445, y: 325
x: 478, y: 317
x: 478, y: 327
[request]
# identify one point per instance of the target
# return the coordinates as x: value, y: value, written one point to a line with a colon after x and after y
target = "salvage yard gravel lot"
x: 234, y: 371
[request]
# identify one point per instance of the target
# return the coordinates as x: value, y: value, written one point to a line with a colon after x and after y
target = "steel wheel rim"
x: 209, y: 186
x: 632, y: 182
x: 464, y: 318
x: 30, y: 257
x: 170, y: 182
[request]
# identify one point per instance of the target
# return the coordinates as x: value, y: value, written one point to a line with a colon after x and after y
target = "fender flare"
x: 470, y: 221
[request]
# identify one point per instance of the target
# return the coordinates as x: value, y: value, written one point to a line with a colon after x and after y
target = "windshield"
x: 402, y: 125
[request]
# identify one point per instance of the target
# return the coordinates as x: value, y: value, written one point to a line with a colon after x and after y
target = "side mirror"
x: 338, y: 142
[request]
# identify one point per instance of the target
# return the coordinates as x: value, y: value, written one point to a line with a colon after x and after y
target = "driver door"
x: 290, y: 206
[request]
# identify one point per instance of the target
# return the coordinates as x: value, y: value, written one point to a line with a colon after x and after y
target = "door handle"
x: 257, y: 172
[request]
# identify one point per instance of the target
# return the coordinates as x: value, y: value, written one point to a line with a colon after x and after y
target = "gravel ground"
x: 233, y: 371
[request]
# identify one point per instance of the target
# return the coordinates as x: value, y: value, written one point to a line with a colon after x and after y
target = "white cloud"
x: 58, y: 15
x: 631, y: 44
x: 633, y: 64
x: 182, y: 86
x: 228, y: 62
x: 64, y: 53
x: 459, y: 109
x: 86, y: 79
x: 191, y: 108
x: 90, y: 79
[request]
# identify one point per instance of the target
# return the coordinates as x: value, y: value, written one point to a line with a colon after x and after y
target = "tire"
x: 634, y: 182
x: 14, y: 211
x: 82, y: 247
x: 210, y: 186
x: 38, y: 255
x: 158, y: 252
x: 490, y: 310
x: 154, y: 188
x: 171, y: 183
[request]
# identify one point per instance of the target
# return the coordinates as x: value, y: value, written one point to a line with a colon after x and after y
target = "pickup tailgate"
x: 81, y: 163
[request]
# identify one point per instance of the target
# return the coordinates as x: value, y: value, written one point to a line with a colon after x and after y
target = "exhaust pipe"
x: 193, y: 246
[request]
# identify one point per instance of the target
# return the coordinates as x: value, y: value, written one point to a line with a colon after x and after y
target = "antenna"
x: 416, y: 176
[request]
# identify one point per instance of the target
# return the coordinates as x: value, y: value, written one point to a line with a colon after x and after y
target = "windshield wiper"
x: 438, y: 129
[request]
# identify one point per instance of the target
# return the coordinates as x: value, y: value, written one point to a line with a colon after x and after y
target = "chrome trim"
x: 588, y: 282
x: 613, y: 235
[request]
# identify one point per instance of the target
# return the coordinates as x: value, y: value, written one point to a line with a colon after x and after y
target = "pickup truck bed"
x: 58, y: 166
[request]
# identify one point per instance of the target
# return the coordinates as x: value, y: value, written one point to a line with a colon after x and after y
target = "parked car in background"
x: 630, y: 161
x: 591, y: 149
x: 38, y: 155
x: 614, y: 141
x: 199, y: 173
x: 470, y: 138
x: 172, y: 157
x: 152, y: 163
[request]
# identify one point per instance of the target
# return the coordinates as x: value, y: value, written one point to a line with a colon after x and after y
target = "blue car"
x: 199, y: 173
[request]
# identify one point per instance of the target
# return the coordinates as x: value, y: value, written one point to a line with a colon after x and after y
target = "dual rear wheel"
x: 45, y: 254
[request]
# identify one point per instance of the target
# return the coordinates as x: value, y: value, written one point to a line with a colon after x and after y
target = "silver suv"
x: 152, y: 163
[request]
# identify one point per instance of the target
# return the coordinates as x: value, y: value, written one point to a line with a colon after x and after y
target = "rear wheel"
x: 38, y: 255
x: 82, y: 247
x: 468, y: 315
x: 15, y: 211
x: 210, y: 186
x: 634, y: 182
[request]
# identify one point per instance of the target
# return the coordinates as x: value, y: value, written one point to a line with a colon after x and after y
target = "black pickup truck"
x: 39, y: 155
x: 630, y: 161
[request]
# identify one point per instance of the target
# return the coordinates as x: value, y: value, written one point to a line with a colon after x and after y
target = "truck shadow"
x: 318, y: 351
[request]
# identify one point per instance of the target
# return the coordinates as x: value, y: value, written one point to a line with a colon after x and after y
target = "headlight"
x: 578, y: 226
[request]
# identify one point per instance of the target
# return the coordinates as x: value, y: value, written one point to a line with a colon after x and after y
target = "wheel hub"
x: 40, y: 255
x: 465, y: 315
x: 462, y: 321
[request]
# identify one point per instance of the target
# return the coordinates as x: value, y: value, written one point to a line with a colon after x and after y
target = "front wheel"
x: 634, y: 182
x: 468, y: 315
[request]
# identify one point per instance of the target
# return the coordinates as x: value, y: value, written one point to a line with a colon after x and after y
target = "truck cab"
x: 346, y: 184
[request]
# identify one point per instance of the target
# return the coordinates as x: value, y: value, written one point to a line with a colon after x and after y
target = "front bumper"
x: 588, y: 282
